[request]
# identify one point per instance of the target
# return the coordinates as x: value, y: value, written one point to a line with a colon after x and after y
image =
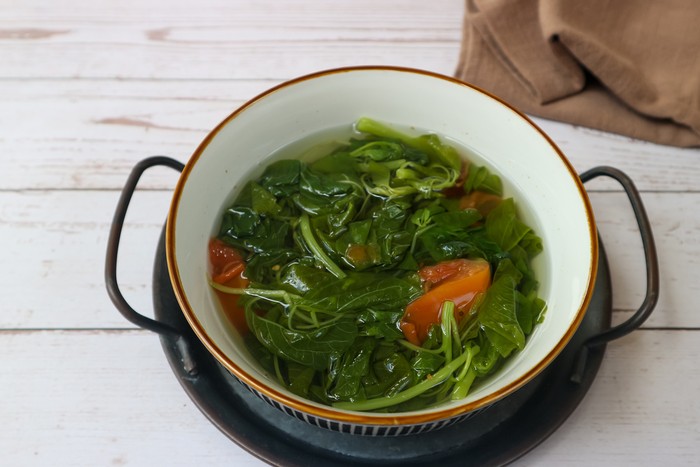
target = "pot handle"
x: 652, y: 267
x: 113, y: 248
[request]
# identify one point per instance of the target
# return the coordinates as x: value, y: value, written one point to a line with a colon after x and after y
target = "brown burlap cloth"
x: 626, y: 66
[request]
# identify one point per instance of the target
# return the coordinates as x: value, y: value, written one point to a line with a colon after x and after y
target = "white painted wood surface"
x: 87, y: 89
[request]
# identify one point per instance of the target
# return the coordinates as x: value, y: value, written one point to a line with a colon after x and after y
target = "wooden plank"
x: 60, y: 240
x: 93, y: 132
x: 89, y: 133
x: 634, y: 414
x: 100, y: 398
x: 89, y: 88
x: 57, y: 257
x: 652, y: 167
x: 109, y: 397
x: 241, y: 39
x: 675, y: 232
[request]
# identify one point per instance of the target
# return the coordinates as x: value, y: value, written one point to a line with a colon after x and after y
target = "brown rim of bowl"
x: 407, y: 418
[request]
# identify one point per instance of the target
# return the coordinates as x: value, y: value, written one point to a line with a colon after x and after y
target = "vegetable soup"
x: 387, y: 274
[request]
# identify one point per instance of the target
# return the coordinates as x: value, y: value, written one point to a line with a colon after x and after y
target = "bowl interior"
x: 547, y: 191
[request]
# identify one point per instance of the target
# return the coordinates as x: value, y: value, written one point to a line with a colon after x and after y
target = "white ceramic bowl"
x: 547, y: 190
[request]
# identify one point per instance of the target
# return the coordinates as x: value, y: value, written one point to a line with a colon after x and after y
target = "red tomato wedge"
x: 481, y: 201
x: 459, y: 281
x: 227, y: 267
x: 226, y: 262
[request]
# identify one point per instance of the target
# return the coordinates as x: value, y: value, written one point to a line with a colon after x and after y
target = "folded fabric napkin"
x: 626, y: 66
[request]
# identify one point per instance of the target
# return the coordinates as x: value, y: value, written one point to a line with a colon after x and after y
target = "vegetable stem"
x: 278, y: 296
x: 278, y: 372
x: 417, y: 348
x: 446, y: 325
x: 407, y: 394
x: 316, y: 249
x: 461, y: 388
x: 427, y: 143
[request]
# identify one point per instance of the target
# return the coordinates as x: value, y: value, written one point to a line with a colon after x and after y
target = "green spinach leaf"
x: 281, y: 178
x: 359, y: 291
x: 504, y: 227
x: 354, y: 366
x: 315, y: 349
x: 498, y: 312
x: 481, y: 179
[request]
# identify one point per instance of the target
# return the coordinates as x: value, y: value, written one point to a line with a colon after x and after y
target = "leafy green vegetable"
x: 300, y: 378
x: 316, y: 249
x: 363, y: 291
x: 281, y: 178
x: 380, y: 324
x: 407, y: 394
x: 480, y: 178
x: 498, y: 312
x: 504, y: 227
x: 263, y: 201
x: 332, y: 250
x: 429, y: 144
x: 355, y: 364
x: 300, y: 278
x: 314, y: 349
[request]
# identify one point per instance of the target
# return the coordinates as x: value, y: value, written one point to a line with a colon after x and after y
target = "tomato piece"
x: 481, y: 201
x: 227, y: 267
x: 358, y: 255
x: 225, y: 261
x: 459, y: 281
x: 361, y: 256
x: 445, y: 270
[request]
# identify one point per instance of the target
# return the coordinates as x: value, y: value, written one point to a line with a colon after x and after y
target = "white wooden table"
x: 89, y: 88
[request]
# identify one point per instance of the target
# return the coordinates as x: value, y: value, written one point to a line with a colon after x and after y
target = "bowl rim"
x: 368, y: 418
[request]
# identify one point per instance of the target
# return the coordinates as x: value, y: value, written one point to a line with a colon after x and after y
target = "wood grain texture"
x: 57, y: 277
x: 92, y: 405
x: 88, y: 134
x: 100, y: 398
x: 226, y: 40
x: 87, y: 89
x: 630, y: 416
